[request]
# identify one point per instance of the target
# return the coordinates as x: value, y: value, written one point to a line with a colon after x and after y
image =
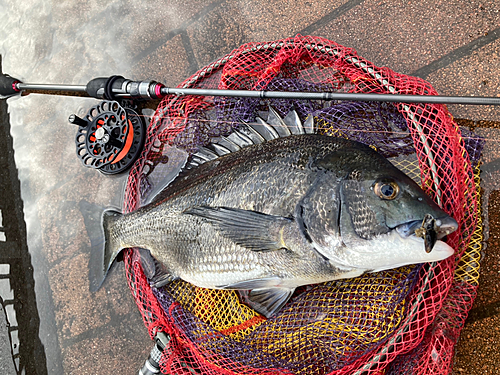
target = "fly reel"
x: 109, y: 138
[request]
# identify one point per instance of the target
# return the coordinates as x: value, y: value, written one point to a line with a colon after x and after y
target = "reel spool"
x: 109, y: 138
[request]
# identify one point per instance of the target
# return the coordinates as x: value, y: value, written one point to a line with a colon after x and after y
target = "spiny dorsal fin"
x: 247, y: 134
x: 253, y: 133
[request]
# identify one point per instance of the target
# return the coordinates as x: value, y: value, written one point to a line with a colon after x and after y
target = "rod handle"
x: 117, y: 87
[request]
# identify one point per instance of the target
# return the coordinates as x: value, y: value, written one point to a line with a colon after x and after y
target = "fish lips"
x: 444, y: 226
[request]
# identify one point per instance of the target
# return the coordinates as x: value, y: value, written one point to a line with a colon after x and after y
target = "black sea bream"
x: 284, y: 210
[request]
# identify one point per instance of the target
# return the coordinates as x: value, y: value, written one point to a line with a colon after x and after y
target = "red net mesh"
x: 399, y: 321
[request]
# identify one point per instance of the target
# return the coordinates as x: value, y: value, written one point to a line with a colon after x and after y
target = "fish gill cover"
x: 405, y: 320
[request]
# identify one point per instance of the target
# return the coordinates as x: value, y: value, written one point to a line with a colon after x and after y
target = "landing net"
x: 400, y: 321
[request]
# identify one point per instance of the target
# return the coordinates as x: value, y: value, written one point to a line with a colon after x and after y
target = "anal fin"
x: 147, y: 262
x: 153, y: 270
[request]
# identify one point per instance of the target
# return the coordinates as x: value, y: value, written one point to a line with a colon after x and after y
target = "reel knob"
x: 109, y: 137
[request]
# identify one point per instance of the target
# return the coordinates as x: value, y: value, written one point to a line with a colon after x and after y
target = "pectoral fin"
x: 254, y: 230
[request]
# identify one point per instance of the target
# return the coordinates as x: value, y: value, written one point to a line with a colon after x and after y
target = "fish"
x: 274, y: 206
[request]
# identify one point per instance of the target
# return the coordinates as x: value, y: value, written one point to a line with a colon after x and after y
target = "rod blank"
x: 435, y: 99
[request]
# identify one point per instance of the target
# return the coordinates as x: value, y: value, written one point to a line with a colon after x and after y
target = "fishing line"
x: 347, y: 130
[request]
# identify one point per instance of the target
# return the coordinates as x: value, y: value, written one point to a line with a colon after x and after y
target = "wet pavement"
x: 455, y: 45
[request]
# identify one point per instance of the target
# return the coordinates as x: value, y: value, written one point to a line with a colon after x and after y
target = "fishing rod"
x: 110, y: 137
x: 117, y: 88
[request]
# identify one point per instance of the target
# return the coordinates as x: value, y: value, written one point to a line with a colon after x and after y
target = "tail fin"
x: 103, y: 250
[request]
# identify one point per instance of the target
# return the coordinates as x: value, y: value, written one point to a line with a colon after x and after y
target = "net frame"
x: 444, y: 291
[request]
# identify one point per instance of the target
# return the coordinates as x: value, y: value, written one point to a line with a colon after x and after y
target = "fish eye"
x: 387, y: 190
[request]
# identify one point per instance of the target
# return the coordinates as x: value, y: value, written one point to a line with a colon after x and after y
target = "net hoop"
x: 427, y: 322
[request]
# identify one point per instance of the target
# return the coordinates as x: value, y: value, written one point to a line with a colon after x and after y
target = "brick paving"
x: 453, y: 44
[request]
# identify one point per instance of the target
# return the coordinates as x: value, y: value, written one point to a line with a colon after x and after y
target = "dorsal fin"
x: 247, y: 134
x: 253, y: 133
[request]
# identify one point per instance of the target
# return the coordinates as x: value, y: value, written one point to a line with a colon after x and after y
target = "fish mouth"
x: 430, y: 229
